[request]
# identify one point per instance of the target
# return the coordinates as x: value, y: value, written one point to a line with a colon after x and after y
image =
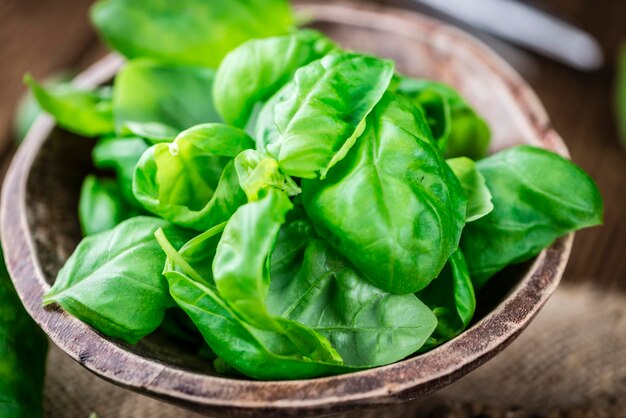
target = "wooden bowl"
x: 40, y: 230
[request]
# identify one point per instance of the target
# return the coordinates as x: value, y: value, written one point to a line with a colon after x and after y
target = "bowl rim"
x: 404, y: 380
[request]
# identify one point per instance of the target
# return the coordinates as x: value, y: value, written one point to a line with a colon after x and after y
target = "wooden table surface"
x: 43, y: 37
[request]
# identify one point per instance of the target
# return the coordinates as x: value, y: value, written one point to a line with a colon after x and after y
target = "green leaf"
x: 101, y: 206
x: 121, y: 156
x: 451, y: 298
x: 473, y: 183
x: 256, y: 70
x: 194, y: 32
x: 241, y: 273
x: 113, y: 280
x: 195, y: 258
x: 28, y: 110
x: 323, y: 293
x: 23, y: 348
x: 312, y: 122
x: 260, y: 354
x: 458, y: 129
x: 538, y: 196
x: 192, y: 181
x: 157, y: 94
x: 285, y: 350
x: 84, y: 112
x: 392, y: 207
x: 241, y: 265
x: 367, y: 326
x: 153, y: 132
x: 256, y: 172
x: 435, y: 106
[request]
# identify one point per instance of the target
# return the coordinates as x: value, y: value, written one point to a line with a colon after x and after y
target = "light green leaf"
x: 121, y: 156
x: 285, y: 350
x: 458, y: 129
x: 253, y: 72
x: 256, y: 172
x: 153, y: 132
x: 193, y: 32
x: 314, y: 120
x: 149, y: 94
x: 538, y: 196
x: 192, y: 181
x: 392, y: 207
x: 84, y: 112
x: 101, y: 206
x: 473, y: 183
x: 367, y: 326
x: 113, y: 280
x: 241, y: 265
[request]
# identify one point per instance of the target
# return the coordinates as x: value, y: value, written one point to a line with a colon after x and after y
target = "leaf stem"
x: 174, y: 256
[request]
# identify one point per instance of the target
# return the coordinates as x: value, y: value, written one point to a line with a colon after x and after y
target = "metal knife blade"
x: 526, y: 26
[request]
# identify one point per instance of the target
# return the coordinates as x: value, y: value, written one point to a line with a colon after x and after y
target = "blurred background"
x: 578, y: 88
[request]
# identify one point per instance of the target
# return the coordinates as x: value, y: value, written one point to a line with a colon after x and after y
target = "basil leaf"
x: 241, y: 272
x: 148, y: 92
x: 28, y: 109
x: 451, y: 298
x: 128, y: 258
x: 319, y: 290
x: 120, y: 155
x: 195, y: 32
x: 538, y: 196
x: 392, y: 207
x: 367, y: 326
x: 256, y: 70
x: 84, y: 112
x: 192, y: 181
x: 101, y: 206
x: 316, y: 118
x: 473, y: 183
x: 267, y: 352
x: 260, y: 354
x: 256, y: 172
x: 195, y: 258
x: 152, y: 132
x: 241, y: 265
x: 293, y: 239
x: 458, y: 129
x: 23, y: 348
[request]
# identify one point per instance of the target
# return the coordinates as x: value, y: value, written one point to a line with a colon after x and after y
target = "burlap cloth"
x: 570, y: 362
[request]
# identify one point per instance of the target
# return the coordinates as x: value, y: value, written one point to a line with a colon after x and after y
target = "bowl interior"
x: 64, y: 160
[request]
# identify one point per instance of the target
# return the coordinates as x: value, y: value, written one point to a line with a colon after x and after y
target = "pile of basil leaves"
x: 303, y: 209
